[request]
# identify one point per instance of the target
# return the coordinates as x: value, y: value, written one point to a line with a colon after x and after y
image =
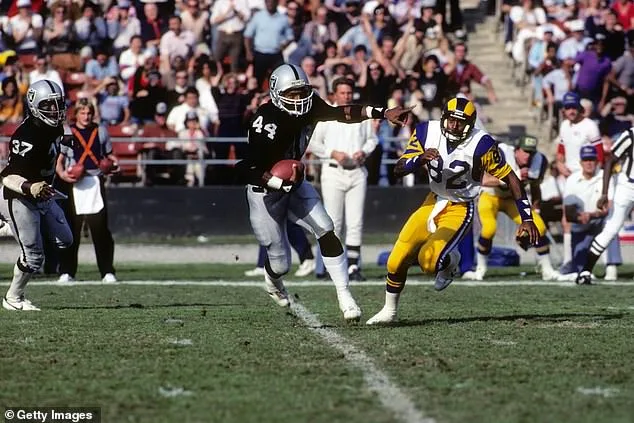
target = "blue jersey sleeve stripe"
x: 421, y: 133
x: 484, y: 145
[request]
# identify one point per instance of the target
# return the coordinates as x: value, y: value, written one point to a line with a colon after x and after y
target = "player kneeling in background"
x: 281, y: 130
x: 27, y: 197
x: 456, y: 155
x: 530, y: 166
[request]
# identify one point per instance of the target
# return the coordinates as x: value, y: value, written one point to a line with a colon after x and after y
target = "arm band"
x: 275, y: 182
x: 14, y: 183
x: 524, y: 209
x: 375, y: 112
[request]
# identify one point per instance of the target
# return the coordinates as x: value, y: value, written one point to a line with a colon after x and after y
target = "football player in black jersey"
x: 281, y: 129
x: 27, y: 198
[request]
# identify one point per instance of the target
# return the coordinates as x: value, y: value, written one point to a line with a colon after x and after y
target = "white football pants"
x: 620, y: 211
x: 343, y: 191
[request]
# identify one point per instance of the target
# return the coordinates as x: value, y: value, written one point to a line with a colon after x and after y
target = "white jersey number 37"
x: 20, y: 147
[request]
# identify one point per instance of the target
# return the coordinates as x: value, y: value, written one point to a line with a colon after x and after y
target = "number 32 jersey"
x: 33, y: 153
x: 456, y: 174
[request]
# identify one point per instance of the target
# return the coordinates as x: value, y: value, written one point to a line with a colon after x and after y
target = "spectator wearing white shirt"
x: 42, y: 71
x: 230, y: 18
x: 131, y: 58
x: 175, y: 42
x: 91, y: 29
x: 26, y: 28
x: 344, y: 178
x: 176, y: 118
x: 581, y: 193
x: 195, y: 19
x: 575, y: 44
x: 574, y: 132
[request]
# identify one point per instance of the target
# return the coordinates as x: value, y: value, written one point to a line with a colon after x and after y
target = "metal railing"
x: 201, y: 161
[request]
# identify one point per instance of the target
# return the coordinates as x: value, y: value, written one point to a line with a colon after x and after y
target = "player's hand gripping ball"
x: 284, y: 170
x: 106, y: 166
x: 76, y: 171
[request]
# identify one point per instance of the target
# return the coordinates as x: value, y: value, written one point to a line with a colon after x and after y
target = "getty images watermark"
x: 52, y: 415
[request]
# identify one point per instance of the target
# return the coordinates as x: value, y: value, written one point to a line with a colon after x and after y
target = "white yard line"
x: 474, y: 284
x: 390, y: 395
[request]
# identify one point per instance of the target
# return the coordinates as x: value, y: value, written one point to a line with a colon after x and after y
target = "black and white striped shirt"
x: 623, y: 150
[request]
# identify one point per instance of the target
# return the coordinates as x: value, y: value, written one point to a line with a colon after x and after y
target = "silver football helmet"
x: 46, y: 102
x: 290, y: 90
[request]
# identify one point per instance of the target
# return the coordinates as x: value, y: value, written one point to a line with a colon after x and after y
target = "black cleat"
x: 584, y: 278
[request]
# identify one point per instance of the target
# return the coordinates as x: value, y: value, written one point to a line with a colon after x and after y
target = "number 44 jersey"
x: 33, y: 153
x: 456, y: 174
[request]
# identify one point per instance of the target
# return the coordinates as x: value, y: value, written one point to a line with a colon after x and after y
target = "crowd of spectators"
x: 150, y: 66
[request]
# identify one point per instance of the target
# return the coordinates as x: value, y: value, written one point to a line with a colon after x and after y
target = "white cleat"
x: 349, y: 307
x: 306, y: 268
x: 551, y: 275
x: 277, y: 291
x: 611, y: 273
x: 20, y: 304
x: 567, y: 277
x: 258, y: 271
x: 109, y: 278
x: 446, y: 276
x: 65, y: 278
x: 383, y: 317
x: 477, y: 275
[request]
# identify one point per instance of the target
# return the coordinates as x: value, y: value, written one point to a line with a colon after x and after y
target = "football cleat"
x: 65, y: 277
x: 584, y: 278
x: 306, y: 268
x: 475, y: 275
x: 383, y: 317
x: 19, y: 304
x: 550, y: 275
x: 349, y: 307
x: 258, y: 271
x: 277, y: 291
x: 109, y: 278
x: 354, y: 274
x: 445, y: 277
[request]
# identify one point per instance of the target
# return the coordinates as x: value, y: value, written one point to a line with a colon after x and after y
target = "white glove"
x: 41, y: 190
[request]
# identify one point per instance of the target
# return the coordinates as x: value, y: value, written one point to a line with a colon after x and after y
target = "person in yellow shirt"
x: 455, y: 154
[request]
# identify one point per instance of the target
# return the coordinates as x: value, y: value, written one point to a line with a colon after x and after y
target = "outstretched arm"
x: 356, y: 113
x: 523, y: 207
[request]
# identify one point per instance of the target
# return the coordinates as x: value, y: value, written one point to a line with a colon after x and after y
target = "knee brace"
x: 277, y: 266
x: 330, y: 245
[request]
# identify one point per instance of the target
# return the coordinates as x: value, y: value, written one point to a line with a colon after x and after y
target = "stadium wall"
x: 181, y: 211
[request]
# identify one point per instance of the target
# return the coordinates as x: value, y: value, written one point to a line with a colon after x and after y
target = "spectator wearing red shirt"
x: 463, y: 72
x: 625, y: 12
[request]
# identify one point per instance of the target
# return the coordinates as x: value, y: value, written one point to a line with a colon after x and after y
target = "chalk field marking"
x: 391, y: 396
x: 472, y: 284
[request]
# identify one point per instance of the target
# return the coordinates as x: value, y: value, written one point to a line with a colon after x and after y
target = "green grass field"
x: 222, y: 353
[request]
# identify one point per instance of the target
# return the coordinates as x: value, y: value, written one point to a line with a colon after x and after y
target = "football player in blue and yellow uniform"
x: 456, y: 155
x: 530, y: 166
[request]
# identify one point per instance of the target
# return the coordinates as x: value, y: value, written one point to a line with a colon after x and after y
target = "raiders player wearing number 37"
x: 281, y: 129
x: 27, y: 198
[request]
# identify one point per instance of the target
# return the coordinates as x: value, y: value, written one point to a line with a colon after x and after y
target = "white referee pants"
x: 343, y: 191
x: 620, y: 211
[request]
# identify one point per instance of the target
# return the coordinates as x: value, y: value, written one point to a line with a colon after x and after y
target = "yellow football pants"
x: 416, y: 242
x: 488, y: 207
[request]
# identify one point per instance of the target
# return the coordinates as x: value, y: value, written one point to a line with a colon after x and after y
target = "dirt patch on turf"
x: 569, y: 324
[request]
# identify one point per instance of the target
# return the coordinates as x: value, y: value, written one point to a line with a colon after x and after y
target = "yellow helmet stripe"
x: 469, y: 109
x: 452, y: 104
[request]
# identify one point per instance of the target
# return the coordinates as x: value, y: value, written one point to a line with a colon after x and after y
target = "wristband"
x: 375, y: 112
x: 524, y: 209
x: 275, y: 182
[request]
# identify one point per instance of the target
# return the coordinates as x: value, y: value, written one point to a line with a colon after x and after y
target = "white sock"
x: 482, y: 262
x: 337, y: 267
x: 544, y: 262
x: 567, y: 247
x: 391, y: 300
x: 18, y: 284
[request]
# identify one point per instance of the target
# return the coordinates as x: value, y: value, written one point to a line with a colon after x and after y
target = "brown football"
x: 284, y: 169
x: 106, y: 165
